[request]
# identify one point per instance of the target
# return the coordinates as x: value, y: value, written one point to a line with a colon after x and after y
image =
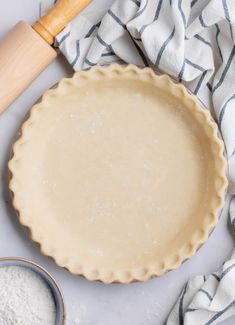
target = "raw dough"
x: 115, y: 174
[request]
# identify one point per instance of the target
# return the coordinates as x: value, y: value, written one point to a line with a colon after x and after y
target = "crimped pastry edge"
x: 200, y: 236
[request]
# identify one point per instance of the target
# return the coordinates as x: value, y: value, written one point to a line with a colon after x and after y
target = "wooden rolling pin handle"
x: 58, y: 17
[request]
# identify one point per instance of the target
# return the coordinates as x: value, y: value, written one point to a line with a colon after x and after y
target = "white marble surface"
x: 86, y: 302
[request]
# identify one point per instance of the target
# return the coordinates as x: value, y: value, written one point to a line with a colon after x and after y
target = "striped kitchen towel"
x: 194, y: 42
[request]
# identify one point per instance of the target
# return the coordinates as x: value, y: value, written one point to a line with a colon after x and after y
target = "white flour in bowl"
x: 25, y: 298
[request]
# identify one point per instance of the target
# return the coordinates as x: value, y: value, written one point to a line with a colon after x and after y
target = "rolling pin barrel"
x: 25, y: 51
x: 23, y: 56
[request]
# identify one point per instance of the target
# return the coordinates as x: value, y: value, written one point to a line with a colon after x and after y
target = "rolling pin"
x: 26, y: 51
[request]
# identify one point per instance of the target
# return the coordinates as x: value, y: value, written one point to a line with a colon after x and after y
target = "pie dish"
x: 118, y: 173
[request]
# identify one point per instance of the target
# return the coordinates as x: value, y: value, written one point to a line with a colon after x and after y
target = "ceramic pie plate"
x: 118, y: 173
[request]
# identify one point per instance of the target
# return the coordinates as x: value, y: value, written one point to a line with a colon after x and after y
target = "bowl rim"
x: 49, y: 279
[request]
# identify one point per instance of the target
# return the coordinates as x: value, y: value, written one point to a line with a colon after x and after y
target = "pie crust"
x: 118, y: 173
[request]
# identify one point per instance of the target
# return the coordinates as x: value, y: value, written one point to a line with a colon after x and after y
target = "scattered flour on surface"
x: 25, y: 298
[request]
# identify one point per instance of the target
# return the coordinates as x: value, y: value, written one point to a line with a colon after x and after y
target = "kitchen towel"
x: 194, y: 42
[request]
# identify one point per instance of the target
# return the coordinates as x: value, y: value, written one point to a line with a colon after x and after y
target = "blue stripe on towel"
x: 102, y: 42
x: 141, y: 54
x: 193, y: 3
x: 200, y: 82
x: 159, y: 6
x: 227, y: 270
x: 142, y: 10
x: 227, y: 66
x: 227, y: 16
x: 200, y: 38
x: 206, y: 293
x: 180, y: 75
x: 89, y: 62
x: 164, y: 45
x: 221, y: 115
x: 217, y: 40
x: 220, y: 313
x: 142, y: 29
x: 92, y: 29
x: 194, y: 65
x: 189, y: 310
x: 181, y: 12
x: 63, y: 38
x: 215, y: 276
x: 118, y: 20
x: 181, y: 318
x: 77, y: 53
x: 226, y: 12
x: 202, y: 21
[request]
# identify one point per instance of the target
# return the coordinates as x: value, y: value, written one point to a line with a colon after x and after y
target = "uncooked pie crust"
x: 118, y: 173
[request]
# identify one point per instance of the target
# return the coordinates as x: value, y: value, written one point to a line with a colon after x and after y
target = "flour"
x: 25, y: 298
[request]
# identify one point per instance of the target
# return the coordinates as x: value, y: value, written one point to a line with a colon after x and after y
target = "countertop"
x: 92, y: 302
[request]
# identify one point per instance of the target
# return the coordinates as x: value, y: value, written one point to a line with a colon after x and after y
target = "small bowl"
x: 49, y: 280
